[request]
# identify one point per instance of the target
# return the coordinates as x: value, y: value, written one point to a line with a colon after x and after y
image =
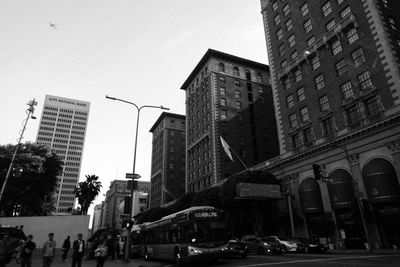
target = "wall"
x: 41, y: 226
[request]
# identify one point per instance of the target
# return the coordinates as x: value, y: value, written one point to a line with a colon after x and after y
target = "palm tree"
x: 87, y: 191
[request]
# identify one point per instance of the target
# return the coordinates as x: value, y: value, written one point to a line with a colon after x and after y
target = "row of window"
x: 236, y: 72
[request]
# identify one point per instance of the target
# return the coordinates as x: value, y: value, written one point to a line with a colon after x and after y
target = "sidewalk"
x: 364, y: 251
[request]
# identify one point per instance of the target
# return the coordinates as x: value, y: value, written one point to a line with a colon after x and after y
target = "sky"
x: 138, y: 50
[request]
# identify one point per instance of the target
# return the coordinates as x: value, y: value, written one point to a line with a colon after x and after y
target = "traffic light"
x: 127, y: 224
x: 317, y: 171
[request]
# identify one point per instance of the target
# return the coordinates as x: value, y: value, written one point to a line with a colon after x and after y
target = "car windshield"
x: 284, y: 238
x: 209, y: 231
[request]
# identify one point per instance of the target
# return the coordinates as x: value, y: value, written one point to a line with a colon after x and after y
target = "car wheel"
x: 260, y: 251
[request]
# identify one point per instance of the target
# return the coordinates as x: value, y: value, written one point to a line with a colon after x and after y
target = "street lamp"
x: 29, y: 113
x: 128, y: 243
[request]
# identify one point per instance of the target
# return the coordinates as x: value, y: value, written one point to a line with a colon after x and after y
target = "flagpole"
x: 239, y: 158
x: 228, y: 149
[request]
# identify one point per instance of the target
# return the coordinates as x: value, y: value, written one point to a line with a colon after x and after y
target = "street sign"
x: 132, y: 176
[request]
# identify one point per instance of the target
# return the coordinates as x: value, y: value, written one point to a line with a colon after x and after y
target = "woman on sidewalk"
x: 101, y: 254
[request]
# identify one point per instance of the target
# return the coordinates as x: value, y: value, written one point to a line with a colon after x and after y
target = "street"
x: 308, y: 260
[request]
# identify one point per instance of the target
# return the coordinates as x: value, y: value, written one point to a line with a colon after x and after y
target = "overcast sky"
x: 138, y: 50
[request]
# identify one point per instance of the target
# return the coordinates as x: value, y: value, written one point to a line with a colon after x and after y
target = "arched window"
x: 259, y: 77
x: 221, y: 67
x: 236, y: 71
x: 248, y: 75
x: 310, y: 196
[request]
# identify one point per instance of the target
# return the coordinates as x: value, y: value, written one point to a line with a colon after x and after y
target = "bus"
x: 192, y: 234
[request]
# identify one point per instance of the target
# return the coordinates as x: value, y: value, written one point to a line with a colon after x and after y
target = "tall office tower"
x: 336, y: 82
x: 63, y: 127
x: 229, y: 97
x: 96, y: 221
x: 168, y: 159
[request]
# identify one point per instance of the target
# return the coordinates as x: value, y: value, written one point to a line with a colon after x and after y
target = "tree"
x: 32, y: 181
x: 87, y: 191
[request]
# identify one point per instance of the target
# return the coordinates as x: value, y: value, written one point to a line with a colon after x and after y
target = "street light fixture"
x: 128, y: 247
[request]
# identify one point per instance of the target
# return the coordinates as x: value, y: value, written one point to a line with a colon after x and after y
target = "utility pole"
x: 29, y: 113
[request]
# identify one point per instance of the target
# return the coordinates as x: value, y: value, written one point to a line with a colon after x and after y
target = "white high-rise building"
x: 63, y: 128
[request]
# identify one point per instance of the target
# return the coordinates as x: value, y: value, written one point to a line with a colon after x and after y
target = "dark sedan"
x: 310, y: 246
x: 262, y: 245
x: 235, y: 248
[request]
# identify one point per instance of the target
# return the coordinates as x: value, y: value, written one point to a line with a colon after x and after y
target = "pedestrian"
x: 78, y: 251
x: 101, y: 254
x: 5, y: 250
x: 121, y: 244
x: 65, y: 247
x: 49, y: 251
x: 26, y: 252
x: 116, y: 246
x: 111, y: 247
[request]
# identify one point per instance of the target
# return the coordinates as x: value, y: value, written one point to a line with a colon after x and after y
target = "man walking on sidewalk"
x: 78, y: 251
x: 66, y: 246
x: 49, y: 251
x: 26, y: 252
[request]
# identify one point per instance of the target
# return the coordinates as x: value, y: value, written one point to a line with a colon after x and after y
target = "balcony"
x: 341, y: 26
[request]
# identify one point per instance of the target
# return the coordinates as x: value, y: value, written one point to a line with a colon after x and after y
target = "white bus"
x: 192, y: 234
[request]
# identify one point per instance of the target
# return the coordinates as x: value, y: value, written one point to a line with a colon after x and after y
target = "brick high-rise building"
x: 63, y: 128
x: 168, y: 159
x: 336, y: 82
x: 230, y: 97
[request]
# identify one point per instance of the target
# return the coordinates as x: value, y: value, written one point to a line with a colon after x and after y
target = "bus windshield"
x: 208, y: 231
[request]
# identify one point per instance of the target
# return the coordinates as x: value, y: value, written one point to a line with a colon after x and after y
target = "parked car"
x: 16, y: 236
x: 307, y: 245
x: 290, y: 245
x: 235, y: 248
x: 261, y: 246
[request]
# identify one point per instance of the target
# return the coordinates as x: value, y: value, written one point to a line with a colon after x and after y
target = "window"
x: 336, y: 47
x: 282, y: 49
x: 315, y: 62
x: 323, y: 103
x: 279, y: 34
x: 283, y: 64
x: 345, y: 12
x: 341, y: 67
x: 237, y: 93
x: 222, y: 91
x: 295, y: 141
x: 236, y: 82
x: 238, y: 105
x: 297, y: 76
x: 392, y: 23
x: 327, y: 125
x: 385, y: 3
x: 372, y: 106
x: 293, y: 55
x: 236, y: 71
x: 304, y: 114
x: 290, y: 101
x: 286, y: 10
x: 353, y: 116
x: 352, y: 35
x: 330, y: 25
x: 259, y: 77
x: 221, y: 78
x: 319, y: 82
x: 340, y: 1
x: 287, y: 83
x: 364, y: 79
x: 326, y: 9
x: 291, y: 40
x: 310, y: 41
x: 277, y: 19
x: 221, y: 67
x: 223, y: 102
x: 260, y: 90
x: 224, y: 114
x: 307, y: 136
x: 358, y: 57
x: 275, y: 5
x: 304, y: 9
x: 307, y: 26
x: 301, y: 94
x: 347, y: 90
x: 293, y: 120
x: 289, y: 25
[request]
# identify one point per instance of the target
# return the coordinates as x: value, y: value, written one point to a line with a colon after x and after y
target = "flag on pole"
x: 226, y: 148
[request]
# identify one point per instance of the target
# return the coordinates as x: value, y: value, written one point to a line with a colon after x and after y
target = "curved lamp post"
x: 128, y: 249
